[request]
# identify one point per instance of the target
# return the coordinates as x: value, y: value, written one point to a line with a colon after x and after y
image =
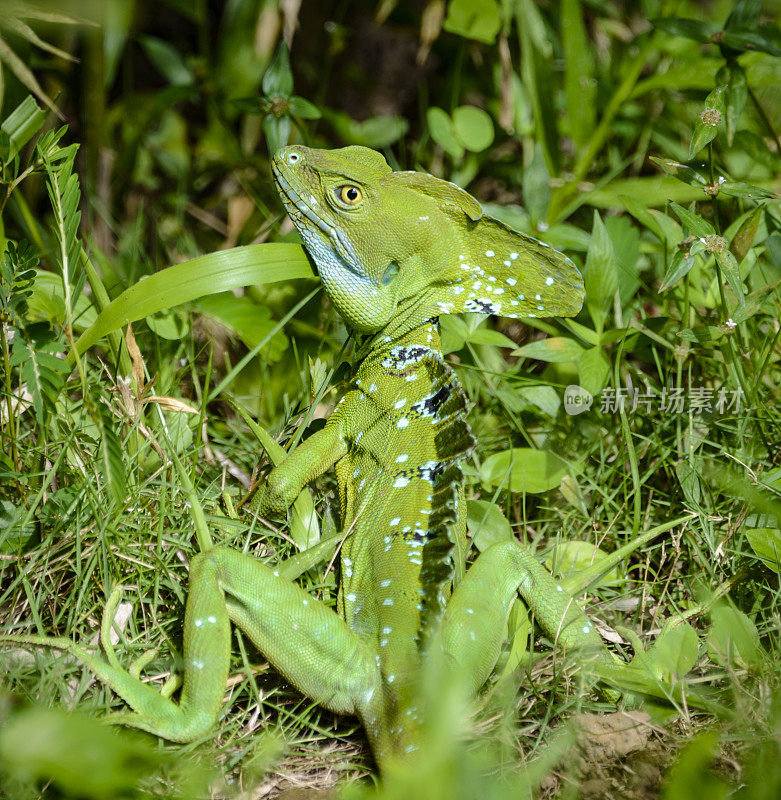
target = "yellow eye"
x: 350, y: 195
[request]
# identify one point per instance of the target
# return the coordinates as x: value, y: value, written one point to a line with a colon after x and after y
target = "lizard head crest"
x: 409, y: 246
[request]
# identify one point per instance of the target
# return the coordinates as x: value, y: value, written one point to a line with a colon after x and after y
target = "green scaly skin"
x: 395, y: 250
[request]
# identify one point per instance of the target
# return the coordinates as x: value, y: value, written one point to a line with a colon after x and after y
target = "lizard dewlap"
x: 395, y: 250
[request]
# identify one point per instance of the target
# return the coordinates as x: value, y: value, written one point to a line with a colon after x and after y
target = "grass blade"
x: 209, y: 274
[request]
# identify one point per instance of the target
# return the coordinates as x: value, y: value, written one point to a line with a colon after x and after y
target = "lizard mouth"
x: 304, y: 216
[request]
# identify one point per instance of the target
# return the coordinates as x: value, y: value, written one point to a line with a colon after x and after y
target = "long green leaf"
x: 21, y: 125
x: 209, y: 274
x: 581, y: 88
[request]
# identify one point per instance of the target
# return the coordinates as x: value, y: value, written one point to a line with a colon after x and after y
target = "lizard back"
x: 401, y: 488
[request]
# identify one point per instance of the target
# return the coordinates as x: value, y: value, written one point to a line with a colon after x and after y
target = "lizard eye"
x: 350, y: 195
x: 292, y: 158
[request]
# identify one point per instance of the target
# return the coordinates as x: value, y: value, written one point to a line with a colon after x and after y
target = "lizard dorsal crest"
x: 444, y: 192
x: 481, y: 265
x: 498, y: 270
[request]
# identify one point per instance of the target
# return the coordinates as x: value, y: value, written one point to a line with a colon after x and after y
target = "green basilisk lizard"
x: 395, y: 250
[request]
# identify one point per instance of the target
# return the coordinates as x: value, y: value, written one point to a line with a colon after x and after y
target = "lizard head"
x: 408, y: 246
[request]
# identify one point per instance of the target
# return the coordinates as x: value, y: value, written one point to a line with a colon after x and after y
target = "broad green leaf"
x: 593, y: 370
x: 563, y: 236
x: 692, y: 775
x: 167, y: 60
x: 766, y: 38
x: 683, y: 172
x: 46, y: 302
x: 175, y: 425
x: 645, y: 217
x: 766, y: 544
x: 486, y: 524
x: 376, y: 132
x: 299, y: 107
x: 491, y: 337
x: 473, y: 19
x: 755, y: 302
x: 675, y: 651
x: 688, y: 28
x: 538, y: 77
x: 773, y: 248
x: 744, y: 236
x: 756, y: 148
x: 729, y: 266
x: 278, y: 79
x: 699, y: 74
x: 20, y: 126
x: 655, y: 191
x: 171, y: 325
x: 474, y: 128
x: 680, y: 266
x: 707, y: 125
x: 209, y: 274
x: 746, y: 190
x: 733, y: 638
x: 546, y: 398
x: 704, y: 334
x: 112, y: 463
x: 299, y: 563
x: 536, y: 186
x: 523, y: 469
x: 734, y: 77
x: 443, y: 132
x: 745, y: 14
x: 568, y: 559
x: 519, y: 628
x: 588, y: 335
x: 694, y: 222
x: 599, y: 274
x: 75, y: 755
x: 251, y: 105
x: 454, y: 331
x: 277, y: 132
x: 555, y: 349
x: 250, y: 321
x: 571, y: 491
x: 626, y: 247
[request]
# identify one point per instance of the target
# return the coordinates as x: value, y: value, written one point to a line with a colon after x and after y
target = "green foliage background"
x: 640, y: 137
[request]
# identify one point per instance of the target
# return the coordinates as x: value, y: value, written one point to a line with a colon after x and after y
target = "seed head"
x: 710, y: 116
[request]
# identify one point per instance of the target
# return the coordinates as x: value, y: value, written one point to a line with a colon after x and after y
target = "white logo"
x: 577, y: 399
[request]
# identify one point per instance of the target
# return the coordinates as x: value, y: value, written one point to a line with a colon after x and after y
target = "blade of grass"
x: 209, y: 274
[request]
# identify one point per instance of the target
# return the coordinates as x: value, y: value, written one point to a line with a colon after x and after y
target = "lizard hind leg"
x: 306, y: 641
x: 473, y: 628
x: 153, y: 711
x: 300, y: 636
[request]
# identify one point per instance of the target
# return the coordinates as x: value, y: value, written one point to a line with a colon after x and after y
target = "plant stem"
x: 9, y: 399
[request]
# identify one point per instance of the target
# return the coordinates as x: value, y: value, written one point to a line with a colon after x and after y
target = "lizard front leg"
x: 309, y: 460
x: 473, y: 627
